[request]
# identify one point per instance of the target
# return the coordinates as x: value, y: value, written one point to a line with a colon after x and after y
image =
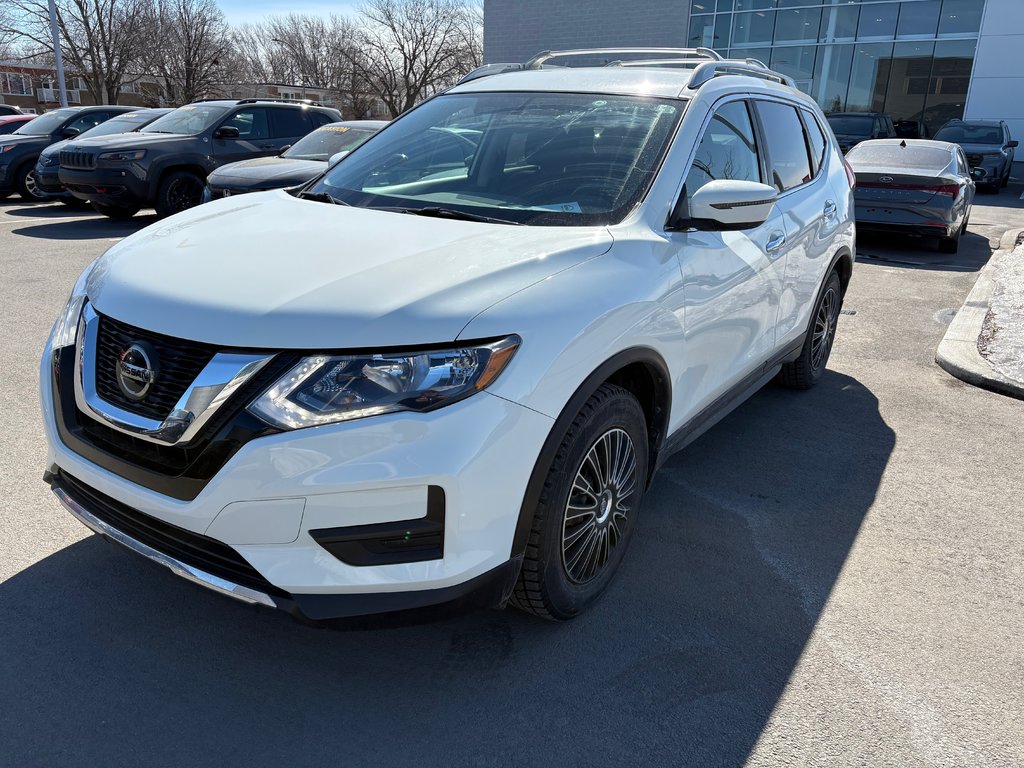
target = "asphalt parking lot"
x: 825, y: 578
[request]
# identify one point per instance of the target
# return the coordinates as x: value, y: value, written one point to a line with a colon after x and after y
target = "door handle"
x: 830, y: 209
x: 776, y: 241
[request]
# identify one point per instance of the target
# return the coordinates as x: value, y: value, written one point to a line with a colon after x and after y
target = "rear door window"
x: 728, y: 149
x: 815, y: 140
x: 789, y: 163
x: 289, y: 123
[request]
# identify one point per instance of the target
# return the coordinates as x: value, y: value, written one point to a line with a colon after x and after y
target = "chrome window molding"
x: 214, y: 385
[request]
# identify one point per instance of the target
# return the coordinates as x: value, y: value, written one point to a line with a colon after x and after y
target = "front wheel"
x: 587, y: 509
x: 806, y: 370
x: 27, y: 186
x: 179, y: 191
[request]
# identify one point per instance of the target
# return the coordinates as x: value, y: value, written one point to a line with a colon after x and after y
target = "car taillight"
x: 946, y: 189
x: 943, y: 189
x: 851, y: 177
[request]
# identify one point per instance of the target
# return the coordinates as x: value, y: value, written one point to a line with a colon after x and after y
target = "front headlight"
x: 123, y: 157
x: 65, y: 330
x: 327, y: 389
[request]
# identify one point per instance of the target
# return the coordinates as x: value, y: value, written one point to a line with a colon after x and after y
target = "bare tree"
x: 191, y: 44
x: 409, y: 49
x: 101, y: 39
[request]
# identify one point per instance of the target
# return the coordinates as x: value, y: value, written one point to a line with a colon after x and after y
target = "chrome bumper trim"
x: 196, y: 576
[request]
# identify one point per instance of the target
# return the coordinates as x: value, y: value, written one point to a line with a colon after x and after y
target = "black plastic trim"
x: 401, y: 541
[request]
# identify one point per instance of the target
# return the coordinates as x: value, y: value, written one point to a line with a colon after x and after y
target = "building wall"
x: 997, y: 83
x: 515, y: 30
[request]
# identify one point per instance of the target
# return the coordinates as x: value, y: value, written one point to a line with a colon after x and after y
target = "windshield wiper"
x: 320, y: 197
x: 450, y: 213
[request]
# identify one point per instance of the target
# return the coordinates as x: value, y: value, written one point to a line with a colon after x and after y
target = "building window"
x: 130, y: 87
x: 753, y: 28
x: 15, y: 84
x: 878, y: 22
x: 918, y: 20
x: 78, y: 84
x: 960, y: 18
x: 797, y: 25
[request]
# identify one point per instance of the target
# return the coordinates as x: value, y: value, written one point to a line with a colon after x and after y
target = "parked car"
x: 165, y: 164
x: 9, y: 109
x: 987, y: 146
x: 11, y: 123
x: 370, y: 394
x: 914, y: 186
x: 851, y: 128
x: 47, y: 171
x: 20, y: 150
x: 305, y: 159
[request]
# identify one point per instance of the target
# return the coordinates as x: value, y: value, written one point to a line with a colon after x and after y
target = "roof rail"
x: 683, y: 53
x: 306, y: 102
x: 680, y: 62
x: 708, y: 70
x: 489, y: 69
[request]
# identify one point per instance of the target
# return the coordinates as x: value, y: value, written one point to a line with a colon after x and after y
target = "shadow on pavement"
x: 910, y: 252
x: 108, y: 660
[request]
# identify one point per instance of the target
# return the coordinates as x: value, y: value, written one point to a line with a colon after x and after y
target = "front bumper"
x: 48, y: 182
x: 282, y: 503
x: 124, y: 187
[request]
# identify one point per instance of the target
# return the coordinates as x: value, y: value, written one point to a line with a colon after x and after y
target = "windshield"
x: 120, y: 124
x: 971, y: 134
x: 851, y: 125
x: 46, y: 124
x: 189, y: 120
x: 326, y: 141
x: 530, y: 158
x: 894, y: 156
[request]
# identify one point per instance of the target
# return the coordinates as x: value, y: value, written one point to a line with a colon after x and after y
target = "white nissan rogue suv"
x: 447, y: 369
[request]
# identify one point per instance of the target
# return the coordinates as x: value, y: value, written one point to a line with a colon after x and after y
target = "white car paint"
x: 274, y: 272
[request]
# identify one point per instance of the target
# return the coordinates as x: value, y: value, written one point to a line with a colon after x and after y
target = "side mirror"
x: 728, y: 205
x: 1012, y: 144
x: 285, y: 148
x: 336, y: 158
x: 70, y: 133
x: 226, y: 132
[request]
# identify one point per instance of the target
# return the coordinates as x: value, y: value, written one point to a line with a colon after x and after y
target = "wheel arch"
x: 842, y: 262
x: 641, y: 371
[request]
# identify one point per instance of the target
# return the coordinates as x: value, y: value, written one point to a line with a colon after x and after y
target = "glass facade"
x: 909, y: 58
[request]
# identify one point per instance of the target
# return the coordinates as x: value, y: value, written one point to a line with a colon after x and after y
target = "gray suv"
x: 988, y: 147
x: 165, y: 164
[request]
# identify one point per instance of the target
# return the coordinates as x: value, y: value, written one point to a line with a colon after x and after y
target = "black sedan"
x: 20, y: 150
x: 914, y: 186
x: 305, y: 159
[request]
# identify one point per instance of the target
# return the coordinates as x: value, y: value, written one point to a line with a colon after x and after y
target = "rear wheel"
x: 114, y: 211
x: 950, y: 244
x: 179, y: 191
x: 587, y: 509
x: 804, y: 372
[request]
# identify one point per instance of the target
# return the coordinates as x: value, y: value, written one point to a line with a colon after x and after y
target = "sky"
x: 242, y: 11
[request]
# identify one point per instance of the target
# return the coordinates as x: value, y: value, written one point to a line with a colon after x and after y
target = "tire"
x: 25, y: 180
x: 572, y: 553
x: 5, y: 195
x: 114, y: 211
x: 806, y: 370
x: 950, y: 244
x: 179, y: 191
x: 1005, y: 180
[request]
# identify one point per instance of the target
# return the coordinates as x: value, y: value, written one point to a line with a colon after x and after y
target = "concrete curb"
x: 958, y: 353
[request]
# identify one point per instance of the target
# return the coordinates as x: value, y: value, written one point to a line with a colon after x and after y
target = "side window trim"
x: 767, y: 151
x: 806, y: 117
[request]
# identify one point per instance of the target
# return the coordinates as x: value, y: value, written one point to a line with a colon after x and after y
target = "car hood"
x: 981, y: 149
x: 23, y: 141
x: 274, y: 271
x: 133, y: 140
x: 55, y: 148
x: 281, y: 171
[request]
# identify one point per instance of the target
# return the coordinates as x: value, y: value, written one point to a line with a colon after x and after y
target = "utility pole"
x: 58, y: 55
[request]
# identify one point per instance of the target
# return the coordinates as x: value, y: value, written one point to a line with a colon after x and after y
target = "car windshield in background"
x: 895, y: 156
x: 46, y: 124
x: 851, y: 125
x: 971, y: 134
x: 188, y: 120
x: 326, y: 141
x: 526, y: 158
x: 124, y: 124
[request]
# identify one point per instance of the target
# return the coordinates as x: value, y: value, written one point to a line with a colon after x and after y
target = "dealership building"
x: 923, y: 60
